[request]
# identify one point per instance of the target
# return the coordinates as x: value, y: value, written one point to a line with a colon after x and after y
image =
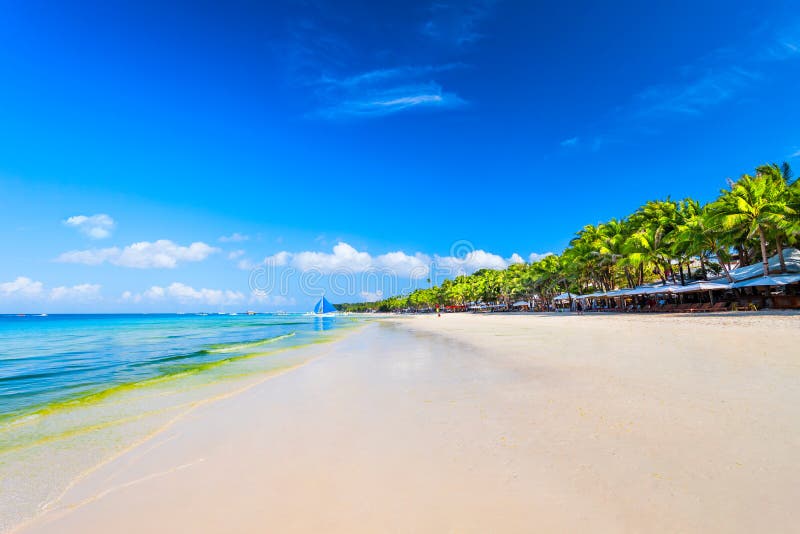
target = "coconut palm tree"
x: 698, y: 239
x: 647, y: 249
x: 780, y: 178
x: 755, y: 206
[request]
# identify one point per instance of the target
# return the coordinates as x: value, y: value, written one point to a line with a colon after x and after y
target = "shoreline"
x: 475, y: 422
x: 121, y: 422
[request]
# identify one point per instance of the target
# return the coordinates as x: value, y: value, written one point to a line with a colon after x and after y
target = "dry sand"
x: 494, y: 423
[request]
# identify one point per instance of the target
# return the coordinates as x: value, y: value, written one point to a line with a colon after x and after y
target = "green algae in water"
x: 44, y: 447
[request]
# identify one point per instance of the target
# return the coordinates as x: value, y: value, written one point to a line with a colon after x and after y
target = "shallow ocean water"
x: 76, y: 390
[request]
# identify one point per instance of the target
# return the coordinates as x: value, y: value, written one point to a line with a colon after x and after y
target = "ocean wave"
x: 240, y: 346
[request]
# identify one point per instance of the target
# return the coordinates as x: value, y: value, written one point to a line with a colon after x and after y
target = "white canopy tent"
x: 566, y: 296
x: 772, y: 280
x: 699, y: 286
x: 791, y: 257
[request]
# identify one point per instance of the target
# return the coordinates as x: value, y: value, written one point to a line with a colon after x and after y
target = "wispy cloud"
x: 572, y: 141
x: 696, y: 95
x: 380, y: 102
x: 456, y: 23
x: 785, y: 46
x: 348, y: 82
x: 721, y: 76
x: 379, y: 76
x: 382, y: 92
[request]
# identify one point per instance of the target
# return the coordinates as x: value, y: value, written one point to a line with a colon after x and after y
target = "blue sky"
x: 350, y: 137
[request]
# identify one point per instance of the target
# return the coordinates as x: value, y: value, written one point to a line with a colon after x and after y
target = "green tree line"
x: 753, y: 218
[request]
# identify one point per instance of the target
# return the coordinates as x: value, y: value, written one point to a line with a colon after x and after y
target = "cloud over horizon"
x: 185, y: 294
x: 344, y: 258
x: 26, y: 289
x: 161, y: 254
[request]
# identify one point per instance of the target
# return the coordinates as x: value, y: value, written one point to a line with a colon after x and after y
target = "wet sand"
x: 483, y: 423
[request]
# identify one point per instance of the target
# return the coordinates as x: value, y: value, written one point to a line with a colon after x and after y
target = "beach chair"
x: 720, y: 307
x: 702, y: 307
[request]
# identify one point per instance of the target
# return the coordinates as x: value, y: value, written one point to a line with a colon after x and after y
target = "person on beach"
x: 579, y: 307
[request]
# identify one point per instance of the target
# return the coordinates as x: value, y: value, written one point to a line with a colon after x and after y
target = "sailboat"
x: 323, y: 306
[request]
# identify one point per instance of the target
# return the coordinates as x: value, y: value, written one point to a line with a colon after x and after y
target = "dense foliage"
x: 666, y: 240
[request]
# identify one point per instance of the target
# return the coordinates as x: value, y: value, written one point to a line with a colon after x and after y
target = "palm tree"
x: 647, y: 248
x: 780, y: 178
x: 697, y: 238
x: 754, y: 205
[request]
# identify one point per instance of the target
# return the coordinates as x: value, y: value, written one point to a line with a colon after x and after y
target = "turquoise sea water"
x: 78, y: 390
x: 46, y: 360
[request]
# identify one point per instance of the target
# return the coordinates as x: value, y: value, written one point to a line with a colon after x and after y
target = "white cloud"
x: 95, y: 226
x: 274, y: 300
x: 416, y: 266
x: 186, y: 294
x: 80, y: 292
x: 345, y: 258
x: 155, y: 293
x: 245, y: 265
x: 21, y: 287
x: 25, y: 288
x: 235, y: 237
x: 385, y: 91
x: 278, y: 260
x: 235, y: 254
x: 572, y: 141
x: 535, y: 256
x: 143, y: 255
x: 472, y: 261
x: 372, y: 296
x: 381, y: 102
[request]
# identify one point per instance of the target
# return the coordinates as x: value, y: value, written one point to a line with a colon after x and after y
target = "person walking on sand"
x: 579, y: 307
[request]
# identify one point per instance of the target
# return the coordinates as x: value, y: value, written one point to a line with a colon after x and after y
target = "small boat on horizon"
x: 324, y: 307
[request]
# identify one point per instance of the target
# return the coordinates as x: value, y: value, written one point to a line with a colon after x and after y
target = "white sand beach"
x: 482, y: 423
